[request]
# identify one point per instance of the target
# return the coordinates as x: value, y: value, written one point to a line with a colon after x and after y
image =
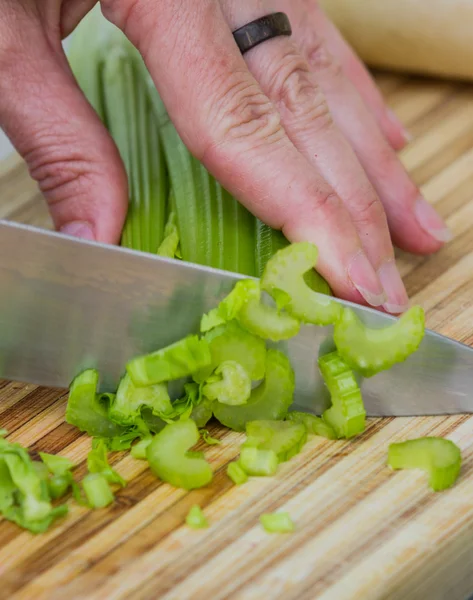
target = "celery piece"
x: 168, y: 458
x: 285, y: 273
x: 370, y: 351
x: 24, y: 493
x: 57, y: 465
x: 87, y: 410
x: 230, y: 384
x: 265, y: 321
x: 208, y: 439
x: 196, y: 519
x: 131, y: 400
x: 440, y: 458
x: 139, y: 450
x: 170, y: 243
x: 270, y: 400
x: 313, y: 424
x: 97, y: 462
x: 236, y: 473
x: 228, y: 309
x: 258, y: 462
x: 97, y: 490
x: 277, y: 522
x: 285, y: 438
x: 230, y: 342
x: 347, y: 414
x: 58, y: 485
x: 173, y: 362
x: 60, y: 468
x: 202, y: 413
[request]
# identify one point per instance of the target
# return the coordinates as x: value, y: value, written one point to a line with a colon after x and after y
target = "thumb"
x: 66, y: 147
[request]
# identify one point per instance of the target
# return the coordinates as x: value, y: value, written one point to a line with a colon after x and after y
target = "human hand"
x: 295, y: 129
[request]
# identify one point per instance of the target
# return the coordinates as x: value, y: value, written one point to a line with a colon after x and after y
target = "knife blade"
x: 68, y: 304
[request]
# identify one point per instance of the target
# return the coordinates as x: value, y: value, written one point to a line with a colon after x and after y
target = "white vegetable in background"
x: 430, y: 37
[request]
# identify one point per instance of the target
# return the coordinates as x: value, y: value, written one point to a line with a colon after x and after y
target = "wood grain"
x: 362, y: 531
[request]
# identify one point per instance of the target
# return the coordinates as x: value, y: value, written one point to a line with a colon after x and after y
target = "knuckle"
x: 320, y: 59
x: 324, y: 200
x: 296, y: 93
x: 63, y: 170
x: 369, y: 211
x: 241, y: 112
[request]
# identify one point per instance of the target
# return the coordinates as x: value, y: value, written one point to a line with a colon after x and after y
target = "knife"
x: 68, y: 304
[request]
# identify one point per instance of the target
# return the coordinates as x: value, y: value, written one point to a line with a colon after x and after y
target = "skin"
x: 295, y: 128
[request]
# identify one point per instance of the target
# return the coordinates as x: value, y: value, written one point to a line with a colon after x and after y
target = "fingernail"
x: 430, y: 221
x: 397, y: 300
x: 364, y: 278
x: 408, y: 137
x: 78, y: 229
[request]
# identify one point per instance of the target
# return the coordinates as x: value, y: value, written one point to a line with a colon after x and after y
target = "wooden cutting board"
x: 363, y: 532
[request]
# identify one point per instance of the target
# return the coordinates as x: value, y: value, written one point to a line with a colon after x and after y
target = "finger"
x: 286, y: 78
x: 414, y: 224
x: 228, y: 123
x: 66, y: 147
x: 309, y: 17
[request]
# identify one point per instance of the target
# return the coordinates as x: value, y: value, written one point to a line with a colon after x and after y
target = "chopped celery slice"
x: 262, y: 320
x: 231, y: 342
x: 270, y: 400
x: 236, y: 473
x: 313, y: 424
x: 227, y: 310
x: 57, y: 465
x: 139, y: 450
x: 58, y: 485
x: 370, y: 351
x: 230, y: 384
x: 168, y: 459
x: 170, y: 243
x: 277, y: 522
x: 284, y: 275
x: 88, y: 410
x: 60, y: 468
x: 202, y: 413
x: 173, y: 362
x: 97, y: 462
x: 24, y: 492
x: 97, y: 490
x: 258, y: 462
x: 285, y: 438
x: 244, y: 304
x: 347, y: 414
x: 440, y: 458
x: 196, y: 519
x: 131, y: 400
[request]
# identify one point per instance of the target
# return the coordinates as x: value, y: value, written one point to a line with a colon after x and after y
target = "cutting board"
x: 362, y: 533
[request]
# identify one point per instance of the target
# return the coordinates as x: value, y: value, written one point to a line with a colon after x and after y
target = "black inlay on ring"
x: 262, y: 29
